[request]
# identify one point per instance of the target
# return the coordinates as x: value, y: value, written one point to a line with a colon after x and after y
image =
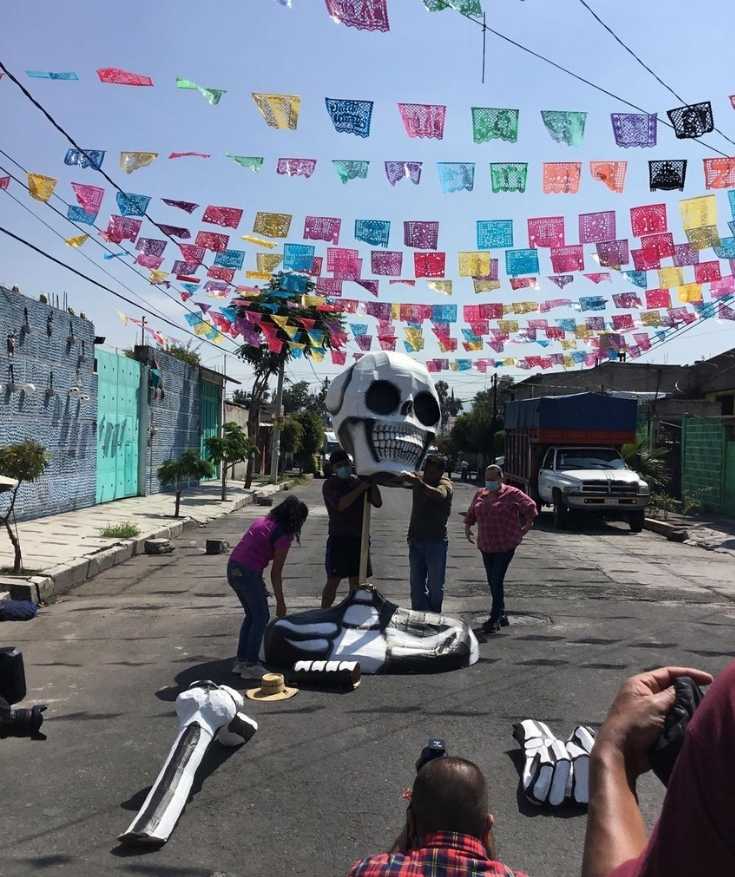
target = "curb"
x: 670, y: 531
x: 63, y: 578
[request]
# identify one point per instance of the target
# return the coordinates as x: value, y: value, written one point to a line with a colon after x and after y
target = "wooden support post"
x: 365, y: 538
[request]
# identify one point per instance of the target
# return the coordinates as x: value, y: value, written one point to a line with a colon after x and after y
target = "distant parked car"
x: 330, y: 444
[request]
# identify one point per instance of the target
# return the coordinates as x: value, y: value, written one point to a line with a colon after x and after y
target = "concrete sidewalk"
x: 65, y: 550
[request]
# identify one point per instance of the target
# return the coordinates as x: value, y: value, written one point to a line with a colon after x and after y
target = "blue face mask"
x: 492, y: 485
x: 343, y: 471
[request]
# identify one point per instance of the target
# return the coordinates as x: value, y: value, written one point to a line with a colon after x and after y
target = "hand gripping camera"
x: 22, y: 722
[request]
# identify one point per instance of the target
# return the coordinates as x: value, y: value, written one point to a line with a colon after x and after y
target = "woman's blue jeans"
x: 249, y: 586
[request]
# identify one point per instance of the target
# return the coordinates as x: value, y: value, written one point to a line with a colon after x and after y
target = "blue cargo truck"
x: 565, y: 452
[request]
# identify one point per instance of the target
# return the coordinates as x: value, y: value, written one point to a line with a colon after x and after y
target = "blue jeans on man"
x: 428, y: 562
x: 496, y: 566
x: 249, y: 586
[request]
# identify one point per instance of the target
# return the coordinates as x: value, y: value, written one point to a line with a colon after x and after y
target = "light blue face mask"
x: 492, y: 485
x: 343, y: 471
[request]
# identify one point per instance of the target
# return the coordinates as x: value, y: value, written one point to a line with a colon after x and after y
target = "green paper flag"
x: 212, y: 95
x: 508, y: 176
x: 348, y: 169
x: 251, y: 162
x: 464, y: 7
x: 494, y: 123
x: 565, y: 127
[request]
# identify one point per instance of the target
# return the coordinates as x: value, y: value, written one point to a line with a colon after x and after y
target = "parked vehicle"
x: 330, y: 444
x: 564, y: 451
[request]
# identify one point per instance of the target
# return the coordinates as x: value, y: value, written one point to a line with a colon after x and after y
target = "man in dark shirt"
x: 343, y: 495
x: 448, y: 830
x: 427, y: 533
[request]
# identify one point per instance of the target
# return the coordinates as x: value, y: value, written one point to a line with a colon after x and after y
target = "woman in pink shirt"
x: 267, y: 539
x: 503, y: 515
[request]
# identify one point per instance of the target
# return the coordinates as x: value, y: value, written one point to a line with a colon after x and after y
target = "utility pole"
x: 494, y: 419
x: 142, y: 332
x: 276, y: 434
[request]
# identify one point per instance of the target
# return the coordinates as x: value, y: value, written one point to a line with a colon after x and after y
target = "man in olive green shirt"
x: 427, y: 533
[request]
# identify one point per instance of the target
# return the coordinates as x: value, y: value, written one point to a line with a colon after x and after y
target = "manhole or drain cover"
x: 477, y: 619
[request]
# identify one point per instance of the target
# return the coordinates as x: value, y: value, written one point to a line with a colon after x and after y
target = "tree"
x: 449, y: 406
x: 244, y: 397
x: 177, y: 473
x: 233, y: 446
x: 312, y: 438
x: 292, y: 435
x: 184, y: 352
x: 24, y: 461
x: 296, y: 397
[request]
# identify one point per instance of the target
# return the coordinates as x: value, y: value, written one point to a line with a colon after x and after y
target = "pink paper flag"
x: 599, y: 277
x: 372, y: 286
x: 621, y: 322
x: 685, y: 254
x: 115, y: 76
x: 561, y: 280
x: 188, y: 206
x: 192, y: 253
x: 423, y: 120
x: 569, y: 258
x: 662, y: 244
x: 722, y: 288
x: 329, y: 286
x: 322, y: 228
x: 387, y: 262
x: 349, y: 270
x: 296, y: 167
x: 597, y: 227
x: 175, y: 231
x: 218, y: 273
x: 546, y: 231
x: 645, y: 260
x: 523, y: 282
x: 211, y: 240
x: 420, y: 234
x: 624, y: 300
x: 719, y: 173
x: 88, y: 197
x: 339, y: 357
x: 122, y: 228
x: 648, y: 219
x: 658, y: 298
x: 316, y: 266
x: 362, y: 14
x: 429, y: 264
x: 189, y: 155
x: 707, y: 271
x: 4, y: 182
x: 149, y: 261
x: 227, y: 216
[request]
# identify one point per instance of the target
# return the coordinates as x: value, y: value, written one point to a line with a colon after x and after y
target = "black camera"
x: 435, y: 748
x: 21, y: 722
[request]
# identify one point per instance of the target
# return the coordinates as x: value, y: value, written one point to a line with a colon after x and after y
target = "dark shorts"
x: 342, y: 559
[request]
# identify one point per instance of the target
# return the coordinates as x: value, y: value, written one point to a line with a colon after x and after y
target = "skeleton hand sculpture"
x: 554, y: 771
x: 382, y: 637
x: 204, y: 710
x: 385, y: 412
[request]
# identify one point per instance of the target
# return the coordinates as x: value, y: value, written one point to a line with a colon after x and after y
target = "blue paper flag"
x: 469, y: 335
x: 494, y: 234
x: 109, y: 256
x: 230, y: 259
x: 567, y: 324
x: 521, y: 262
x: 298, y: 257
x: 731, y: 199
x: 456, y: 175
x: 579, y: 356
x: 193, y: 319
x: 294, y: 282
x: 463, y: 365
x: 191, y: 287
x: 725, y: 249
x: 85, y: 158
x: 79, y: 214
x: 592, y: 303
x: 640, y: 278
x: 373, y: 231
x: 229, y: 313
x: 350, y: 116
x: 359, y: 328
x: 132, y: 205
x: 43, y: 74
x: 543, y: 342
x: 705, y: 308
x: 444, y: 313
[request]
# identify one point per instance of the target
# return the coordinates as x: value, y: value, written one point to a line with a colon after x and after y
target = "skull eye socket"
x: 426, y: 408
x: 383, y: 397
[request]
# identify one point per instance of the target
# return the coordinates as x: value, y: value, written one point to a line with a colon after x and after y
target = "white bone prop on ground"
x: 385, y: 412
x: 204, y: 710
x: 554, y: 771
x: 381, y: 636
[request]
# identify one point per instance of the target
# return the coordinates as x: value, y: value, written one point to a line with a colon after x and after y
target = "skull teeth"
x: 398, y: 443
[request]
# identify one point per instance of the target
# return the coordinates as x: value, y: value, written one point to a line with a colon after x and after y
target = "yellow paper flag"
x: 279, y: 321
x: 395, y: 311
x: 473, y: 264
x: 297, y: 345
x: 291, y: 331
x: 690, y: 292
x: 509, y: 361
x: 524, y: 307
x: 259, y: 242
x: 156, y: 276
x: 258, y: 275
x: 317, y: 354
x: 650, y: 318
x: 131, y: 161
x: 41, y: 187
x: 669, y: 277
x: 582, y: 332
x: 486, y: 285
x: 77, y: 241
x: 441, y: 286
x: 508, y: 325
x: 268, y: 262
x: 704, y: 237
x: 278, y: 110
x: 568, y: 344
x: 274, y: 225
x: 473, y: 345
x: 697, y: 212
x: 568, y: 362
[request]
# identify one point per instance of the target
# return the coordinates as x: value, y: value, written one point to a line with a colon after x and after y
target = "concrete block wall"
x: 703, y: 461
x: 173, y: 422
x: 65, y: 424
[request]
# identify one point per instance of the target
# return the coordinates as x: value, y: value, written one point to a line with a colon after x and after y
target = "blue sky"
x: 258, y: 45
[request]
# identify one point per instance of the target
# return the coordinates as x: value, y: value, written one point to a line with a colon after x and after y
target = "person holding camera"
x: 344, y: 496
x: 448, y: 831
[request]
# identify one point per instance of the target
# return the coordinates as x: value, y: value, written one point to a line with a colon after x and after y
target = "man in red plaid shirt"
x: 448, y: 831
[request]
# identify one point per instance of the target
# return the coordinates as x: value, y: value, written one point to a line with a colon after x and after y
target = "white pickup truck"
x: 594, y: 481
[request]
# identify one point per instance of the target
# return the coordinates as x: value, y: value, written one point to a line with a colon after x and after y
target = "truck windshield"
x: 588, y: 458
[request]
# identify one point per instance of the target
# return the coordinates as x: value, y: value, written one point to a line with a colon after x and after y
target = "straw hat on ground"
x: 272, y: 687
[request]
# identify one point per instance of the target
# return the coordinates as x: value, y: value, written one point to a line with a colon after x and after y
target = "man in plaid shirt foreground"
x: 448, y: 831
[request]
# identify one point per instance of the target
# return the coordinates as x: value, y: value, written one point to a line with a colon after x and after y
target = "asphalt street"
x: 320, y: 784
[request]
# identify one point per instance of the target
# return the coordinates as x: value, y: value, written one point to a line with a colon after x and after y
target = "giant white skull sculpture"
x: 385, y: 412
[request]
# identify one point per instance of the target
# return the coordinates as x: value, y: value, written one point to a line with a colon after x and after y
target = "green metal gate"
x: 728, y: 498
x: 118, y: 422
x: 211, y: 414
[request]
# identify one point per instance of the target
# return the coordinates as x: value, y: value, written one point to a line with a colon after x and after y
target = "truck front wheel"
x: 636, y: 520
x: 561, y: 514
